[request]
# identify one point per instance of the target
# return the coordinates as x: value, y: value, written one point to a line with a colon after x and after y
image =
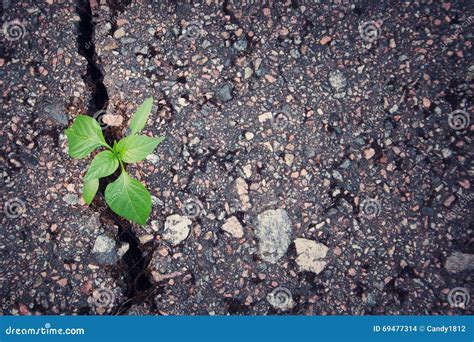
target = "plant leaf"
x: 134, y: 148
x: 84, y: 136
x: 90, y: 189
x: 129, y: 198
x: 104, y: 164
x: 140, y: 117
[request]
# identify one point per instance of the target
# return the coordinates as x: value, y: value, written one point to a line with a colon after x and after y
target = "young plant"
x: 125, y: 196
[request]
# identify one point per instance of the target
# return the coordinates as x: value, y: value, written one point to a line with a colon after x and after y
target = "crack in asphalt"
x: 135, y: 261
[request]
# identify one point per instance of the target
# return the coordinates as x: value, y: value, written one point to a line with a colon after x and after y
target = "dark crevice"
x: 135, y: 273
x: 94, y: 77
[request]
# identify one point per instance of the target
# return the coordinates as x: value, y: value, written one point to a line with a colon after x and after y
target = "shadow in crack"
x: 135, y: 273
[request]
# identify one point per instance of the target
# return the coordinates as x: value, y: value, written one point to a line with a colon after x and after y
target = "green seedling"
x: 126, y: 196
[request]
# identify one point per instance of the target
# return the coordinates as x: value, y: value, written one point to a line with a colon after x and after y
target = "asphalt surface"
x: 317, y: 160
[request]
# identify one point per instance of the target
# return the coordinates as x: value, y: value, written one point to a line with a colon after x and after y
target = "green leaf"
x: 129, y: 198
x: 90, y: 189
x: 104, y: 164
x: 84, y: 136
x: 134, y: 148
x: 140, y: 117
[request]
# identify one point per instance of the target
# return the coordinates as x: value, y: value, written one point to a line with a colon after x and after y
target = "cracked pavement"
x: 317, y: 160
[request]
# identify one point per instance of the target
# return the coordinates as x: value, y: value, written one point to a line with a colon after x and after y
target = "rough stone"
x: 325, y: 40
x: 458, y: 262
x: 176, y: 229
x: 71, y: 199
x: 309, y: 255
x: 337, y: 80
x: 119, y: 33
x: 274, y: 234
x: 113, y: 120
x: 104, y: 251
x: 241, y: 187
x: 369, y: 153
x: 57, y: 112
x: 224, y: 94
x: 241, y: 44
x: 233, y: 227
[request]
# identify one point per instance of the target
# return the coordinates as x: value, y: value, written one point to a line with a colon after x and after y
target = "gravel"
x: 333, y: 164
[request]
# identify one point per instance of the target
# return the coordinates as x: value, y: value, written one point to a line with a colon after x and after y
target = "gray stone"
x: 155, y: 201
x: 371, y: 301
x: 393, y: 109
x: 71, y: 199
x: 57, y: 112
x: 224, y: 94
x: 458, y: 262
x: 345, y: 164
x: 153, y: 158
x: 104, y: 251
x: 274, y: 234
x: 241, y: 44
x: 337, y: 80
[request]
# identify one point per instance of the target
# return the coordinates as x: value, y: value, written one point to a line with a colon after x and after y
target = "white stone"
x: 242, y: 191
x: 265, y: 116
x: 124, y: 247
x: 247, y: 73
x: 119, y: 33
x: 309, y: 255
x: 103, y: 244
x: 233, y: 227
x: 176, y: 229
x: 247, y: 169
